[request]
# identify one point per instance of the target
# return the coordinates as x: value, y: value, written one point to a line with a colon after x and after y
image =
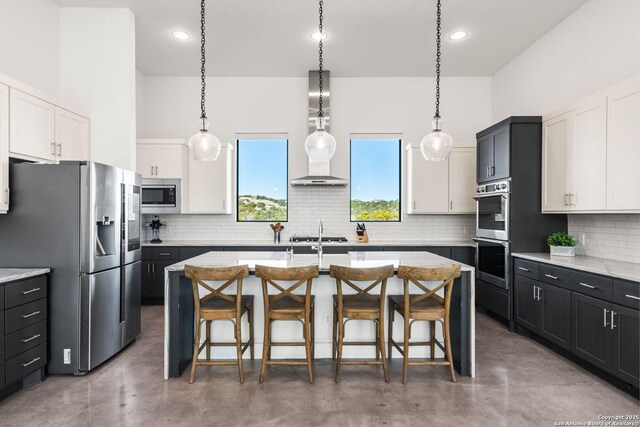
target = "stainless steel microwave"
x: 161, y: 196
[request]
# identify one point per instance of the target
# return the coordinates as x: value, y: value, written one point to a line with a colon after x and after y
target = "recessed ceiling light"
x: 181, y: 35
x: 457, y: 35
x: 317, y: 35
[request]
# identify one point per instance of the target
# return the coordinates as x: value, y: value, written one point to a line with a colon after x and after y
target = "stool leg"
x: 432, y: 340
x: 378, y: 343
x: 405, y: 356
x: 381, y: 345
x: 196, y: 347
x: 270, y: 330
x: 251, y: 339
x: 307, y: 346
x: 238, y: 336
x: 447, y: 343
x: 335, y: 333
x: 390, y: 331
x: 313, y: 333
x: 208, y: 326
x: 339, y: 349
x: 265, y: 348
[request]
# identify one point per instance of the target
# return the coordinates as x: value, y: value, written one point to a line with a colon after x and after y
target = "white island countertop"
x: 11, y: 274
x: 352, y: 259
x: 285, y: 243
x: 606, y: 267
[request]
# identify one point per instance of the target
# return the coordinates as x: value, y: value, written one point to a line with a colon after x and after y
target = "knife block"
x: 364, y: 238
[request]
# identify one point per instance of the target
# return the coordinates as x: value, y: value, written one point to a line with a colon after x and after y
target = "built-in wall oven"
x: 161, y: 196
x: 492, y: 210
x: 492, y: 261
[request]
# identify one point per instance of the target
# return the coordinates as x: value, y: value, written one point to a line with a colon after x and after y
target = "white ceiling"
x: 365, y: 37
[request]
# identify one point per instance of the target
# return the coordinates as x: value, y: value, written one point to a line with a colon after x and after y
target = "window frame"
x: 382, y: 136
x: 261, y: 136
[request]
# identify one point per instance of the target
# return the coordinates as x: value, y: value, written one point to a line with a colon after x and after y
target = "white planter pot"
x: 563, y: 250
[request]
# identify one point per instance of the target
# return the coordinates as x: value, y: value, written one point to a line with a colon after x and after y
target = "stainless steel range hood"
x: 319, y: 172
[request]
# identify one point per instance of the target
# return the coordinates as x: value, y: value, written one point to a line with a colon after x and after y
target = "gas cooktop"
x: 298, y: 239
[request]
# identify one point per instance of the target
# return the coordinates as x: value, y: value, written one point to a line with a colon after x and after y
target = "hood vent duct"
x: 319, y: 172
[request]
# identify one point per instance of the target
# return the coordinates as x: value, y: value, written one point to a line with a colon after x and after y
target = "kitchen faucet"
x: 318, y: 247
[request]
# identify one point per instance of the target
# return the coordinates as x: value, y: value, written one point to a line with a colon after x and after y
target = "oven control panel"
x: 495, y: 187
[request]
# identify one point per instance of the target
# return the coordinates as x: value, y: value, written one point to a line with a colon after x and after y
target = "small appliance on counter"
x: 361, y: 231
x: 155, y: 225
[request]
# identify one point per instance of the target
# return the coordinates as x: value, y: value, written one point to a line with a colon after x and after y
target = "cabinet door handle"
x: 32, y: 338
x: 605, y: 317
x: 29, y: 363
x: 153, y: 268
x: 586, y: 285
x: 572, y: 203
x: 534, y: 293
x: 60, y: 150
x: 565, y: 199
x: 613, y: 313
x: 488, y: 172
x: 156, y: 171
x: 30, y: 290
x: 224, y: 205
x: 25, y: 316
x: 148, y: 268
x: 164, y: 254
x: 523, y: 269
x: 493, y: 171
x: 52, y: 148
x: 450, y: 205
x: 551, y: 277
x: 539, y: 299
x: 632, y: 297
x: 151, y: 170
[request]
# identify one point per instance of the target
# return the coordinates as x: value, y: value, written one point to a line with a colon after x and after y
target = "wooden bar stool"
x: 426, y: 306
x: 359, y: 306
x: 285, y: 305
x: 219, y: 306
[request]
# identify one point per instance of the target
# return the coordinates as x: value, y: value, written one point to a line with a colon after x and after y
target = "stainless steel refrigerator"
x: 81, y: 219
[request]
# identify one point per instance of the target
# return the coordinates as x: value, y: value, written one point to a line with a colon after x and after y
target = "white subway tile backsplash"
x: 306, y: 207
x: 611, y: 236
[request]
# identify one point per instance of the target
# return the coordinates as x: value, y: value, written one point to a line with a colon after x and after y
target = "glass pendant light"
x: 437, y: 145
x: 204, y: 145
x: 320, y: 145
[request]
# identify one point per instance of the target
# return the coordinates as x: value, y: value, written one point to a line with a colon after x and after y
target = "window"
x: 375, y: 178
x: 262, y: 178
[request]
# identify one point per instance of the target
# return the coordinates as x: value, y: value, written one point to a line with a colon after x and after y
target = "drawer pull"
x: 586, y: 285
x: 523, y: 269
x: 32, y: 338
x: 30, y: 290
x: 551, y: 277
x: 31, y: 314
x: 164, y: 254
x: 632, y: 297
x: 29, y: 363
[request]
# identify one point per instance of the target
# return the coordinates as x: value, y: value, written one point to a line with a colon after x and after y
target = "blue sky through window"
x: 262, y: 167
x: 375, y: 169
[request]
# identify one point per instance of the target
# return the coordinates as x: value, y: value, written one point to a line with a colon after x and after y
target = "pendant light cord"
x: 203, y: 82
x: 321, y: 83
x: 438, y: 24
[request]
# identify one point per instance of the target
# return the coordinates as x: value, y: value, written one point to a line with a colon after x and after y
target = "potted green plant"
x: 562, y: 244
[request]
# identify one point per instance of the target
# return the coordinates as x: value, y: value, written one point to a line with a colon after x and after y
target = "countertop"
x: 606, y: 267
x: 352, y: 259
x: 11, y: 274
x: 286, y: 243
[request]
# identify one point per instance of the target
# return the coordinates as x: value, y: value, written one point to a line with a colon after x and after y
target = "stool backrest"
x: 417, y: 275
x: 226, y: 275
x: 374, y: 275
x: 270, y: 277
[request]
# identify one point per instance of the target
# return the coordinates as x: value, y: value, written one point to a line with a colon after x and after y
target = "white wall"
x: 596, y: 46
x: 29, y: 43
x: 97, y: 72
x: 141, y: 102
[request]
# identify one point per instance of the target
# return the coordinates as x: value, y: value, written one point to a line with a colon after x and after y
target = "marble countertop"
x: 286, y: 243
x: 11, y: 274
x: 352, y: 259
x: 606, y: 267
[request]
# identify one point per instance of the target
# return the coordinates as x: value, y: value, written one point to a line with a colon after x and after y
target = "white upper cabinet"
x: 623, y: 149
x: 210, y: 184
x: 591, y: 154
x: 161, y: 158
x: 32, y: 127
x: 4, y: 148
x: 441, y: 187
x: 462, y: 180
x: 71, y: 135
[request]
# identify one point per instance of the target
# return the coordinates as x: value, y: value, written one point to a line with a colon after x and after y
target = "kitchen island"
x: 179, y: 320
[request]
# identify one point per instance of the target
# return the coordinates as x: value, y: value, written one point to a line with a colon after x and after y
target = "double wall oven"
x: 493, y: 244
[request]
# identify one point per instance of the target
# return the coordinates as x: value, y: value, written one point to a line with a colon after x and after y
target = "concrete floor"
x: 519, y: 382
